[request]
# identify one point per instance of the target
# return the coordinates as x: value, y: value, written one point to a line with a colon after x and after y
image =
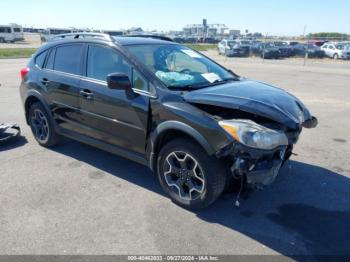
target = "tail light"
x: 24, y: 72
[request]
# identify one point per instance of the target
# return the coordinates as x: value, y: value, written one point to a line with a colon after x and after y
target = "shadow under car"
x: 305, y: 212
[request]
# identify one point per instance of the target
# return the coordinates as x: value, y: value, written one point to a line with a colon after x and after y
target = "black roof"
x: 91, y: 38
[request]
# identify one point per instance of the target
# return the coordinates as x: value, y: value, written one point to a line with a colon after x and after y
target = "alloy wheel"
x: 40, y: 126
x: 184, y: 176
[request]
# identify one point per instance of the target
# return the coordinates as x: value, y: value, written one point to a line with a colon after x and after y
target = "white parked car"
x: 11, y: 33
x: 337, y: 51
x: 49, y: 33
x: 232, y: 48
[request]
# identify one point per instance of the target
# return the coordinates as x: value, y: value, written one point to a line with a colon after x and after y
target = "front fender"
x: 179, y: 126
x: 186, y: 118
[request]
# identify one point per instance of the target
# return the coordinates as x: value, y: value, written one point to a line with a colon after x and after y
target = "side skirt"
x: 106, y: 147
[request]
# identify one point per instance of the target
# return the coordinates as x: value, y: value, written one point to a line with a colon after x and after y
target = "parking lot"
x: 75, y: 199
x: 31, y: 41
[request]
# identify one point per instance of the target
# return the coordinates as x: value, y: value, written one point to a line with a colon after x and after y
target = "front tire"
x: 191, y: 177
x: 41, y: 125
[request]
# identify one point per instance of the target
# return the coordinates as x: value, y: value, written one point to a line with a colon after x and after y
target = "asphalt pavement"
x: 75, y: 199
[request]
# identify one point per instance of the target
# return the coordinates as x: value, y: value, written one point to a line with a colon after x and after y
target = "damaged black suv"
x: 195, y: 123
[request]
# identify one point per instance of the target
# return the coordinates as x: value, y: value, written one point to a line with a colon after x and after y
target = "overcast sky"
x: 276, y: 17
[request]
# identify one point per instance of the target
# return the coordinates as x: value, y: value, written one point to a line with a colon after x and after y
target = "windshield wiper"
x: 185, y: 87
x: 223, y: 81
x: 203, y: 85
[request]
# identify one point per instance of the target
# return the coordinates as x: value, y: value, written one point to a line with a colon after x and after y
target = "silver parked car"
x: 232, y: 48
x: 336, y: 51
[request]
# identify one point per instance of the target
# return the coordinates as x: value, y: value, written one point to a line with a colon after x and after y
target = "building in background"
x: 192, y: 33
x: 205, y: 30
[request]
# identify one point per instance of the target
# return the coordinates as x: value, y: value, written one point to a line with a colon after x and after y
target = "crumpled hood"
x: 256, y: 98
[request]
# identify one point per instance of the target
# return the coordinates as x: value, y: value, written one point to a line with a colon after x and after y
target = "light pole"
x: 307, y: 46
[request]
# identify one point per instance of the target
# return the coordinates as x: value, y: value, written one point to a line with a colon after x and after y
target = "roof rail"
x: 164, y: 38
x: 80, y: 35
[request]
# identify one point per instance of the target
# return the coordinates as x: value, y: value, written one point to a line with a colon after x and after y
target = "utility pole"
x: 307, y: 46
x: 264, y: 48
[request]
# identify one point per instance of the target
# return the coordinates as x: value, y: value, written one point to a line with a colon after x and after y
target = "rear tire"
x: 335, y: 56
x: 191, y: 177
x: 41, y: 125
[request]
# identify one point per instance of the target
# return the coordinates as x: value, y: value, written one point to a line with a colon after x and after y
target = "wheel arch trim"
x: 37, y: 95
x: 173, y: 125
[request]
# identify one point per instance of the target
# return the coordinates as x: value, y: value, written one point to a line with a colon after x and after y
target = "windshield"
x: 244, y: 42
x: 312, y: 46
x: 340, y: 47
x: 280, y: 44
x: 269, y: 45
x: 179, y: 67
x: 233, y: 44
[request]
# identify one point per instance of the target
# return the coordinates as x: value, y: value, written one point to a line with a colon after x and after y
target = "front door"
x: 117, y: 117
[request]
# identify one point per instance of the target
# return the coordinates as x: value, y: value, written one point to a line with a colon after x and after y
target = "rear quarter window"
x: 50, y: 59
x: 68, y: 59
x: 40, y: 59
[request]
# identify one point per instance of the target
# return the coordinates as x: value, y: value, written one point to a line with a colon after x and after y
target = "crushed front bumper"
x: 260, y: 173
x: 259, y: 167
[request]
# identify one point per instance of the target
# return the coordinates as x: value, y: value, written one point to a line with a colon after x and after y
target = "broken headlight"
x: 253, y: 135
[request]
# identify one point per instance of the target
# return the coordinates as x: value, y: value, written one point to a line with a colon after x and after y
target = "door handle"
x: 87, y: 94
x: 45, y: 81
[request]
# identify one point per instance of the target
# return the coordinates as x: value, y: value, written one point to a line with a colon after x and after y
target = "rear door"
x: 61, y: 78
x: 331, y: 50
x: 117, y: 117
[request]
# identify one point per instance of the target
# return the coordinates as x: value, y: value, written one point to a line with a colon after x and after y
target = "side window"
x: 139, y: 82
x: 50, y: 59
x: 5, y: 29
x: 103, y: 61
x: 40, y: 59
x: 68, y: 59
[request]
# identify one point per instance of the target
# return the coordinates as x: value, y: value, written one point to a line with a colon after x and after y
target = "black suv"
x: 196, y: 124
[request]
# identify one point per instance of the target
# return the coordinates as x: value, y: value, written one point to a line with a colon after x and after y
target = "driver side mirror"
x: 118, y: 81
